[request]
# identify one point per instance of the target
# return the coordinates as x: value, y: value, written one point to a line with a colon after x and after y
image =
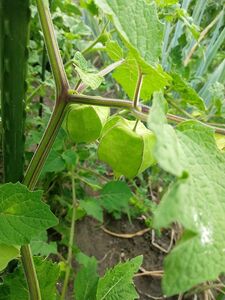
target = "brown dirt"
x: 110, y: 250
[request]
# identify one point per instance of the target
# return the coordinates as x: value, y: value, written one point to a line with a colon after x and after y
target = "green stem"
x: 86, y: 50
x: 127, y: 104
x: 52, y: 48
x: 30, y: 272
x: 38, y: 160
x: 71, y: 240
x: 137, y: 91
x: 43, y: 71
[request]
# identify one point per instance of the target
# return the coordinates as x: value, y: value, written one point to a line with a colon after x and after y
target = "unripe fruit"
x: 84, y: 122
x: 128, y: 152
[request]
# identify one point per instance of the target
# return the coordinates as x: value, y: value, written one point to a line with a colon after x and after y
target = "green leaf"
x: 48, y: 274
x: 14, y: 286
x: 86, y: 72
x: 126, y: 75
x: 115, y: 197
x: 186, y: 92
x: 93, y: 208
x: 138, y: 25
x: 54, y: 163
x: 114, y: 51
x: 7, y: 253
x: 86, y: 281
x: 128, y: 152
x: 90, y: 79
x: 117, y: 283
x: 163, y: 3
x: 22, y: 214
x: 40, y: 246
x: 165, y: 136
x: 196, y: 201
x: 70, y: 158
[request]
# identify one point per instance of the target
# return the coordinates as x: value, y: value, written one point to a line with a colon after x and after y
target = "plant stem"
x: 30, y: 272
x: 52, y: 48
x: 137, y: 93
x: 127, y: 104
x: 71, y: 240
x: 38, y: 160
x: 138, y: 89
x: 43, y: 71
x: 86, y: 50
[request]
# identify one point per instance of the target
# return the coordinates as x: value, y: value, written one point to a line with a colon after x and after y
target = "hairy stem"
x: 71, y: 240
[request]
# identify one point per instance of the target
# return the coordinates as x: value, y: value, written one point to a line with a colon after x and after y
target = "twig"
x: 160, y: 247
x: 157, y: 273
x: 126, y: 235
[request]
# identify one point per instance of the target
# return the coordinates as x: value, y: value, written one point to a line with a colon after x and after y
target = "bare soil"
x: 109, y: 250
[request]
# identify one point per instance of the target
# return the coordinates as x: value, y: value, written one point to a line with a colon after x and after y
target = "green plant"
x: 24, y: 216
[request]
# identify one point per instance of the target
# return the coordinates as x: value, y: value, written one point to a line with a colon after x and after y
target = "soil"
x: 110, y: 250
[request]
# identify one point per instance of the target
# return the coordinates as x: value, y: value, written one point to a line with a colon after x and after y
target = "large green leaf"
x: 197, y: 201
x: 142, y: 32
x: 138, y: 25
x: 7, y: 253
x: 117, y: 283
x: 127, y: 74
x: 22, y: 214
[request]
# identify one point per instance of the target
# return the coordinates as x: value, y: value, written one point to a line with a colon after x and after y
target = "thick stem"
x: 71, y: 240
x: 52, y: 48
x: 39, y: 158
x: 31, y: 276
x: 43, y: 71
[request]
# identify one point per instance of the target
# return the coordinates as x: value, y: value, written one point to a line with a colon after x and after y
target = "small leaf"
x: 7, y: 253
x: 40, y: 246
x: 186, y: 92
x: 22, y: 214
x: 117, y: 283
x: 86, y: 281
x: 54, y: 163
x: 93, y: 208
x: 115, y: 197
x: 90, y: 79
